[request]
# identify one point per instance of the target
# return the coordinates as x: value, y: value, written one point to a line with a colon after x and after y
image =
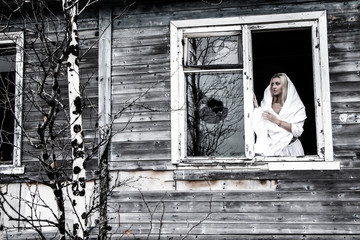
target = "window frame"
x: 16, y: 38
x: 317, y: 21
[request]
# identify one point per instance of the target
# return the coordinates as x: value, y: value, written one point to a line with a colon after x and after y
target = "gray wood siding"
x: 141, y: 85
x: 283, y: 214
x: 141, y: 71
x: 304, y: 205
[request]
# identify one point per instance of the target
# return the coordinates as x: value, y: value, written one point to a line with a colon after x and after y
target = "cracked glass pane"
x: 215, y: 114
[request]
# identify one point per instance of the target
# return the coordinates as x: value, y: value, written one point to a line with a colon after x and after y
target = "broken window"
x: 215, y: 69
x: 215, y: 114
x: 215, y: 110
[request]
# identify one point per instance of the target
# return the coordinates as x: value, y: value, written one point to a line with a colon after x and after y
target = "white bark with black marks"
x: 77, y: 139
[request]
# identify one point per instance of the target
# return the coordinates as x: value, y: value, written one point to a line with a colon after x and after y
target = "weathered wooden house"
x: 175, y: 80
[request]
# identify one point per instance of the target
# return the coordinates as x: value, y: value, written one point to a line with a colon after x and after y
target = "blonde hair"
x: 284, y: 81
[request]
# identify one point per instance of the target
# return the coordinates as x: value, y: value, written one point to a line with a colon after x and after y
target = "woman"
x: 279, y: 121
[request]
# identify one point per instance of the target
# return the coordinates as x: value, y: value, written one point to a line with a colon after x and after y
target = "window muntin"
x: 11, y: 61
x: 316, y: 21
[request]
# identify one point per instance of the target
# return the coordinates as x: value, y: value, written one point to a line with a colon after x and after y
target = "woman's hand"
x: 270, y: 117
x: 256, y: 104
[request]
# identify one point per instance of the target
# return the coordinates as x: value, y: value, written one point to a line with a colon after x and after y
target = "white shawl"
x: 272, y: 139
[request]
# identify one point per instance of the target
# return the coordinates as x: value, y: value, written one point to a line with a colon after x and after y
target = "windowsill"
x: 11, y: 170
x: 261, y: 163
x: 255, y: 170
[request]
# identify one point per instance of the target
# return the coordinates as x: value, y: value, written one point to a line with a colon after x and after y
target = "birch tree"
x: 70, y: 9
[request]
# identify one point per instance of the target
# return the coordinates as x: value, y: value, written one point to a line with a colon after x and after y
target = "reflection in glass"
x: 213, y: 50
x: 215, y: 114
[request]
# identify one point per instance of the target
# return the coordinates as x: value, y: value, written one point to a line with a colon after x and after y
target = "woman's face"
x: 276, y: 86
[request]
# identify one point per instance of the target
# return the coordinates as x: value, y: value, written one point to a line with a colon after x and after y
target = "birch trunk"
x: 79, y: 178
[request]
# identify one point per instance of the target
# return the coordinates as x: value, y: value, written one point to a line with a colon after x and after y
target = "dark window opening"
x: 288, y: 51
x: 7, y: 89
x: 7, y: 102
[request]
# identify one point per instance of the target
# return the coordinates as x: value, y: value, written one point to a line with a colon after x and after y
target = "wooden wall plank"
x: 240, y: 218
x: 234, y: 212
x: 206, y: 174
x: 309, y: 195
x: 235, y: 228
x: 154, y: 164
x: 241, y: 236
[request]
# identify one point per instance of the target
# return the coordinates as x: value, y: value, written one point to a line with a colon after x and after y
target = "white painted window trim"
x: 18, y: 39
x: 318, y: 23
x: 104, y: 74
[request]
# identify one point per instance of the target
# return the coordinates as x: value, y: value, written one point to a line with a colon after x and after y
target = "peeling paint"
x: 238, y: 185
x: 144, y: 180
x: 349, y: 118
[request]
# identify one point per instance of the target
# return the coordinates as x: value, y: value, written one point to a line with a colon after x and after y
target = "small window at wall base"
x: 216, y: 67
x: 11, y: 81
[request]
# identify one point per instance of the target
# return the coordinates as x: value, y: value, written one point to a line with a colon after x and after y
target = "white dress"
x: 273, y: 140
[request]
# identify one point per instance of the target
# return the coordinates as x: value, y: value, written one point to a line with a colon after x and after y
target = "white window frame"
x: 317, y: 22
x: 16, y: 38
